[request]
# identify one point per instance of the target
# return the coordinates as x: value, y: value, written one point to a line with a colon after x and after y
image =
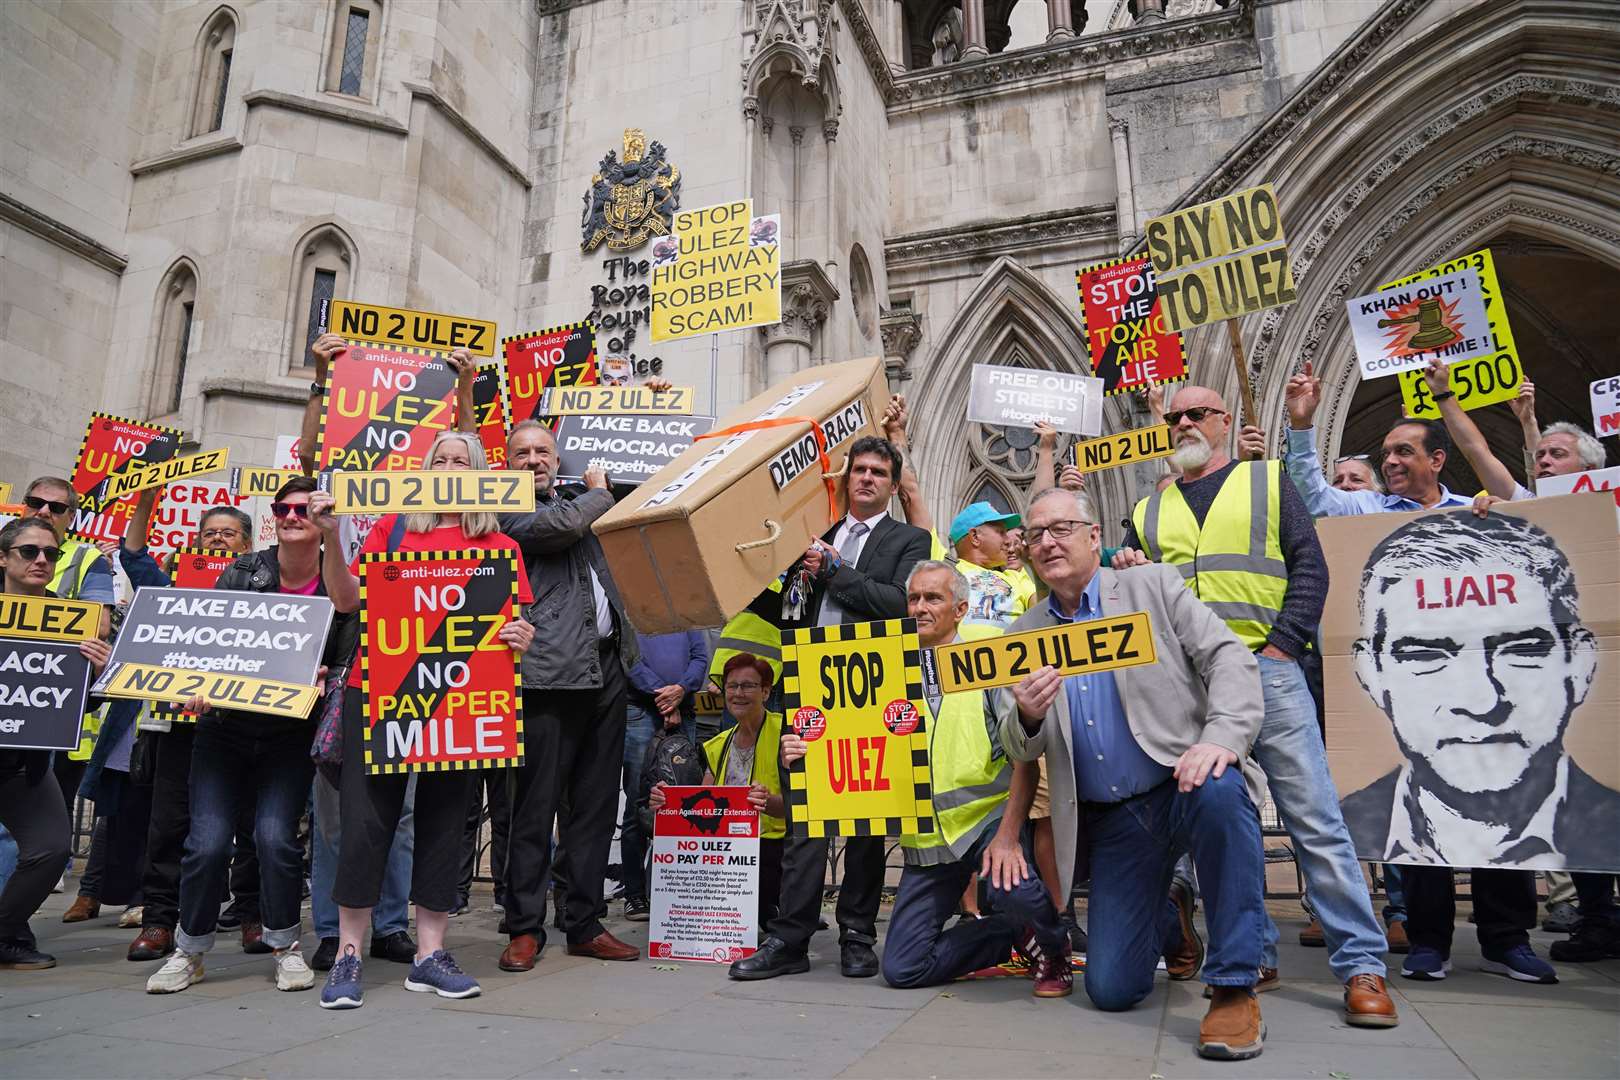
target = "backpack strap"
x: 396, y: 535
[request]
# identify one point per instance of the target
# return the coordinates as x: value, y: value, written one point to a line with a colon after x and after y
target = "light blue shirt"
x: 1324, y: 500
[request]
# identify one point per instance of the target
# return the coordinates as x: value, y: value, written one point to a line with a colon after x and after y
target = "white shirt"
x: 1452, y: 840
x: 842, y: 534
x: 604, y: 612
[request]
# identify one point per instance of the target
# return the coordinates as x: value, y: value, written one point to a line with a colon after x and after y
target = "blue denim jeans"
x: 639, y: 728
x: 1394, y: 895
x: 1133, y: 850
x: 1291, y: 754
x: 390, y: 916
x: 229, y: 759
x: 8, y: 856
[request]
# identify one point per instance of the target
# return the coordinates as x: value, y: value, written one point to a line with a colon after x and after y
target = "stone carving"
x: 633, y: 199
x: 1064, y: 226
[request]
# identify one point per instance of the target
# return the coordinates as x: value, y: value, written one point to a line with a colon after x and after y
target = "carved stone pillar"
x: 901, y: 331
x: 1147, y: 11
x: 750, y: 108
x: 1059, y: 21
x: 1125, y: 204
x: 973, y: 40
x: 898, y: 60
x: 808, y: 295
x: 829, y: 133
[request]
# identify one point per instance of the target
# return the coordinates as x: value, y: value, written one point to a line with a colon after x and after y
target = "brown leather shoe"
x: 1311, y: 937
x: 83, y: 909
x: 605, y: 946
x: 1232, y: 1029
x: 1367, y: 1002
x: 1184, y: 958
x: 253, y: 938
x: 1269, y: 979
x: 154, y: 943
x: 1396, y: 936
x: 521, y: 953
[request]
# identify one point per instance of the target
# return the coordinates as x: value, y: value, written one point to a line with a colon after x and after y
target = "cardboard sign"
x: 1221, y: 259
x: 836, y: 430
x: 1126, y: 337
x: 48, y: 618
x: 1581, y: 482
x: 404, y: 328
x: 44, y: 686
x: 720, y: 268
x: 1484, y: 652
x: 251, y: 649
x: 1605, y: 408
x: 1021, y: 397
x: 1486, y: 379
x: 141, y: 477
x: 111, y: 445
x: 446, y: 491
x: 1126, y: 448
x: 197, y: 568
x: 616, y: 401
x: 629, y: 449
x: 441, y: 690
x: 256, y: 483
x: 177, y: 518
x: 1404, y: 329
x: 383, y: 407
x: 489, y: 403
x: 705, y: 876
x: 854, y: 693
x: 1082, y: 648
x: 561, y: 356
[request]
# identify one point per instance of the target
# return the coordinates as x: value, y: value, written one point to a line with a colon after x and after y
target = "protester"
x: 32, y: 807
x: 976, y: 831
x: 1355, y: 473
x: 372, y: 804
x: 854, y: 572
x: 491, y: 801
x: 390, y: 919
x: 1245, y: 544
x: 575, y: 676
x: 1142, y: 760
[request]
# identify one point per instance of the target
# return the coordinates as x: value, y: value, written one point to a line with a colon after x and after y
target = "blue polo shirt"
x: 1109, y: 765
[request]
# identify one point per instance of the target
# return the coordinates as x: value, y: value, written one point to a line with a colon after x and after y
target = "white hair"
x: 1587, y: 447
x: 1082, y: 502
x: 959, y: 584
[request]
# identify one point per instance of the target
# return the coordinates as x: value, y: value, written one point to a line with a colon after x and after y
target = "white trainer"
x: 131, y: 917
x: 291, y: 971
x: 179, y: 971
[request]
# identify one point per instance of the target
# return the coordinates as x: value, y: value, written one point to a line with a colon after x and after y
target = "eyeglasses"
x: 34, y: 502
x: 1196, y: 414
x: 1059, y: 530
x: 30, y: 552
x: 282, y: 509
x: 222, y: 534
x: 743, y: 687
x: 1352, y: 457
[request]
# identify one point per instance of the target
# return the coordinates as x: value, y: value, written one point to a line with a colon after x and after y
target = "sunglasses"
x: 282, y: 509
x: 30, y: 552
x: 1196, y: 414
x: 34, y: 502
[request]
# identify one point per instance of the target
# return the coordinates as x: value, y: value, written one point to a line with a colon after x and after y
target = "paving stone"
x: 832, y: 1036
x: 1301, y: 1012
x: 610, y: 993
x: 129, y: 1059
x: 1509, y: 1042
x: 22, y: 1024
x: 1023, y: 1022
x: 823, y: 984
x: 1303, y: 1061
x: 618, y: 1059
x: 903, y: 1061
x: 258, y: 1023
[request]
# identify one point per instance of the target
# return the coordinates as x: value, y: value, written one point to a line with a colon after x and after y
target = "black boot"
x: 1593, y: 940
x: 857, y: 960
x: 774, y: 957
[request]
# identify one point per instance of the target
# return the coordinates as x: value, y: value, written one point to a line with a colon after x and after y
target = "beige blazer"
x: 1205, y: 687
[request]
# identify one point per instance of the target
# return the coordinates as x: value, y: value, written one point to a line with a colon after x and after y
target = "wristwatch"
x: 1442, y: 395
x: 316, y: 388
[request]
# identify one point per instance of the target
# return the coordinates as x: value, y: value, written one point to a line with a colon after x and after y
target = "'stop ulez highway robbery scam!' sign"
x: 1221, y: 259
x: 719, y: 269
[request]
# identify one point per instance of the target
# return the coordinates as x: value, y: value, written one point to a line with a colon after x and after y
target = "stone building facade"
x: 178, y: 180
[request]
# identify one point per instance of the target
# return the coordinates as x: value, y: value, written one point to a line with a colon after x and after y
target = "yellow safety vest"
x: 971, y: 779
x: 748, y: 633
x: 71, y: 570
x: 767, y: 754
x: 995, y: 597
x: 1234, y: 561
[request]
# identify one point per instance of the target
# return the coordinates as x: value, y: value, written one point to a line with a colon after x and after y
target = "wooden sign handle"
x: 1235, y: 336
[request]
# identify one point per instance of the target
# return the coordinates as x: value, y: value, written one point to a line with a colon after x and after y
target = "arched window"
x: 216, y: 43
x: 323, y: 265
x: 354, y: 48
x: 177, y: 304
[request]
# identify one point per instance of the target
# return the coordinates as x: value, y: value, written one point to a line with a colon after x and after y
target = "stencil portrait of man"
x: 1471, y: 643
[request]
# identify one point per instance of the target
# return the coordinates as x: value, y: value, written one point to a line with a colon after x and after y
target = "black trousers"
x: 573, y: 754
x: 166, y: 831
x: 37, y: 819
x: 489, y: 788
x: 1504, y: 906
x: 804, y: 873
x: 113, y: 872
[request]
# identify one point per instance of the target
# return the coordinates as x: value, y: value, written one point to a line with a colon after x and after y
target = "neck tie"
x: 849, y: 551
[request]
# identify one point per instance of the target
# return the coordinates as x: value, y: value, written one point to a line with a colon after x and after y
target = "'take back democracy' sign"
x: 629, y: 449
x: 43, y: 688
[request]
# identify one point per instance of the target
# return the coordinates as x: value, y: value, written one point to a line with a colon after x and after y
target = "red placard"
x: 562, y: 356
x: 179, y: 513
x: 195, y: 568
x: 489, y: 402
x: 383, y: 407
x: 441, y: 690
x: 110, y: 445
x: 1125, y: 330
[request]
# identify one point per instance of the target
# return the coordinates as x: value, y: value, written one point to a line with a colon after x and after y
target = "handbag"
x: 327, y: 749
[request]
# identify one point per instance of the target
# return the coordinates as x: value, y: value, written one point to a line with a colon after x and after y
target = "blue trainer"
x: 1521, y: 963
x: 1425, y: 964
x: 343, y: 989
x: 439, y: 974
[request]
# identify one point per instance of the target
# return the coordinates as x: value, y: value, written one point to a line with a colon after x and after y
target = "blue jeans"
x: 390, y: 915
x: 8, y: 857
x: 229, y: 759
x: 917, y: 953
x: 1394, y: 895
x: 1291, y: 754
x: 1133, y: 851
x: 640, y: 726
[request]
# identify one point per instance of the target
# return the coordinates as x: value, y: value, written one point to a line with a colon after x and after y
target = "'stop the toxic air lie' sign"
x: 411, y: 329
x: 1221, y: 259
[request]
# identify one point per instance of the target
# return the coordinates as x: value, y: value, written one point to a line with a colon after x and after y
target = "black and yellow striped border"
x: 581, y: 324
x: 383, y: 768
x: 798, y: 796
x: 331, y: 373
x: 78, y: 459
x: 1085, y: 327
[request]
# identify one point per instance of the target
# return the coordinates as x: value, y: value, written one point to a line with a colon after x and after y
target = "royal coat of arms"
x: 632, y: 199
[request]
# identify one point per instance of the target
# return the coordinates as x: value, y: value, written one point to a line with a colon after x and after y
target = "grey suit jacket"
x: 1205, y: 687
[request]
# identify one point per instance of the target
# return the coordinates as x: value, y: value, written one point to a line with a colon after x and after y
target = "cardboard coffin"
x: 694, y: 544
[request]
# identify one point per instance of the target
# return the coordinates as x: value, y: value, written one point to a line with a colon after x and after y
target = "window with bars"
x: 215, y: 44
x: 179, y: 383
x: 222, y: 90
x: 322, y: 270
x: 352, y: 72
x: 322, y: 288
x: 176, y: 318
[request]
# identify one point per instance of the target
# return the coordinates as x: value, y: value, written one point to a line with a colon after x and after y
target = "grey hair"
x: 1587, y: 447
x: 480, y: 524
x: 959, y: 584
x: 1082, y: 502
x: 530, y: 425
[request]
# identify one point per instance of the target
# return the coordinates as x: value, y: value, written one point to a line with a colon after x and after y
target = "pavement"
x: 573, y: 1017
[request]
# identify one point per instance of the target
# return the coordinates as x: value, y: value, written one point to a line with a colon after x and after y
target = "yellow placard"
x: 412, y: 329
x: 1125, y: 448
x: 5, y: 492
x: 719, y: 269
x: 226, y: 690
x: 1082, y: 648
x: 254, y: 482
x: 615, y: 401
x: 708, y: 703
x: 853, y: 692
x: 443, y: 492
x: 163, y: 472
x: 48, y: 618
x: 1484, y: 380
x: 1221, y: 259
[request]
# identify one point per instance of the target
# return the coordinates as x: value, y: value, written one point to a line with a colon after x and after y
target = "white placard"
x: 1606, y: 406
x: 1021, y: 397
x: 1403, y: 328
x: 705, y: 876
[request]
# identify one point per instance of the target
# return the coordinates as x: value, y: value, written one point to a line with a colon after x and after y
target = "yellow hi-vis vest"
x: 971, y: 778
x: 748, y: 633
x: 71, y: 570
x: 1234, y: 561
x: 767, y: 755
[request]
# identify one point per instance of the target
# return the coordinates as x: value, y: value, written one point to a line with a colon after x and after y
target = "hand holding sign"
x: 1035, y: 693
